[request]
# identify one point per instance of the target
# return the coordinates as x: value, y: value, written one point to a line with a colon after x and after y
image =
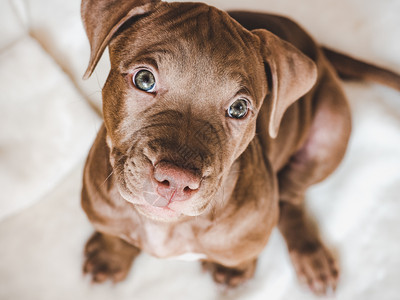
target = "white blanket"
x: 49, y: 117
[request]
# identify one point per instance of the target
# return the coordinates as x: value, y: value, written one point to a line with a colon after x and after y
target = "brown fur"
x: 253, y: 172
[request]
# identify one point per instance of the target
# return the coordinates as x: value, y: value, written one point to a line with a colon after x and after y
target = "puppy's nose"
x: 175, y: 183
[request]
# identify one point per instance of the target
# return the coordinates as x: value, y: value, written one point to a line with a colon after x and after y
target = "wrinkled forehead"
x: 190, y: 38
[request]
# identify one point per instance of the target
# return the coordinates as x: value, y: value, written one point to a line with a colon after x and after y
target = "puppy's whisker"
x: 237, y: 172
x: 108, y: 177
x: 223, y: 197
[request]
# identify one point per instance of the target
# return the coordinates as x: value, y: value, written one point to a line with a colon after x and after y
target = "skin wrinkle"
x: 196, y: 135
x: 151, y: 57
x: 184, y: 15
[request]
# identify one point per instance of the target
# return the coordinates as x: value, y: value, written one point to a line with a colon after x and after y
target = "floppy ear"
x: 102, y: 18
x: 292, y: 74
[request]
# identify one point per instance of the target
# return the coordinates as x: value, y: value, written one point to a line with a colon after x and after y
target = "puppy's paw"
x: 231, y: 277
x: 316, y: 268
x: 108, y: 257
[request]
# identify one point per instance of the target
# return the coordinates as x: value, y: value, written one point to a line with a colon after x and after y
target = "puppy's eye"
x: 238, y: 109
x: 144, y: 80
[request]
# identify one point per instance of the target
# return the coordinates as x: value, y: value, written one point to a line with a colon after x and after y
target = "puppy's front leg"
x: 231, y: 276
x: 313, y: 262
x: 108, y: 257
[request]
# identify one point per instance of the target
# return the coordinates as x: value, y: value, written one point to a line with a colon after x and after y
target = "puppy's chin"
x: 161, y: 214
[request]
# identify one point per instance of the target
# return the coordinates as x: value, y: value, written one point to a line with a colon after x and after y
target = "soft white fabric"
x: 57, y: 25
x: 12, y: 23
x: 47, y: 126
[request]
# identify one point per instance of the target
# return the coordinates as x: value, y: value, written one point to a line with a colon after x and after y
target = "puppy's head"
x: 182, y: 98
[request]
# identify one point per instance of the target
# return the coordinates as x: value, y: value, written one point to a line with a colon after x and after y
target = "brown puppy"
x: 213, y: 130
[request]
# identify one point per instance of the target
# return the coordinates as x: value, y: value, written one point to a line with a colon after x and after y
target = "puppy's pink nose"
x: 175, y: 183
